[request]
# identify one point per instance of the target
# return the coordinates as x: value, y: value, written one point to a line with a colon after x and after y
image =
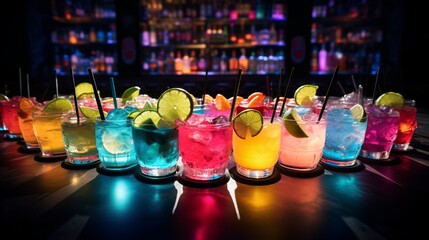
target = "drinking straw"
x: 205, y: 87
x: 97, y: 98
x: 234, y: 99
x: 287, y: 89
x: 341, y: 87
x: 56, y: 83
x: 267, y: 80
x: 354, y: 83
x: 46, y: 91
x: 375, y: 86
x: 28, y: 85
x: 112, y: 87
x: 74, y: 96
x: 327, y: 93
x: 278, y: 95
x: 20, y: 82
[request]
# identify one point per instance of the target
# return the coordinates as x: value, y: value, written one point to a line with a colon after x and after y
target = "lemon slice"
x: 305, y: 93
x: 58, y: 105
x: 4, y: 97
x: 113, y: 142
x: 130, y: 94
x: 90, y: 113
x: 248, y: 120
x: 358, y: 113
x: 84, y: 90
x: 391, y: 99
x: 292, y: 122
x: 175, y: 104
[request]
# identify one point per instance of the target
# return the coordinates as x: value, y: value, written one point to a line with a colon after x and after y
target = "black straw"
x: 20, y: 82
x: 56, y: 84
x: 205, y: 87
x: 28, y: 85
x: 74, y: 96
x: 287, y: 89
x: 375, y: 86
x: 112, y: 87
x: 354, y: 83
x: 341, y: 87
x: 278, y: 95
x: 234, y: 99
x: 97, y: 98
x: 327, y: 93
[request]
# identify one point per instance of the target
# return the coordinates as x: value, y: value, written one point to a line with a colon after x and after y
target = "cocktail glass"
x: 255, y: 157
x: 10, y: 117
x: 47, y: 128
x: 205, y: 145
x: 344, y: 137
x: 407, y: 125
x: 115, y: 144
x: 25, y: 120
x: 302, y: 153
x: 381, y: 131
x: 79, y: 139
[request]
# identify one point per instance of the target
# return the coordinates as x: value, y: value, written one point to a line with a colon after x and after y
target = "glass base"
x: 338, y: 163
x: 401, y: 147
x: 32, y: 146
x: 302, y: 169
x: 384, y: 155
x: 204, y: 174
x: 251, y: 173
x: 82, y: 160
x: 158, y: 172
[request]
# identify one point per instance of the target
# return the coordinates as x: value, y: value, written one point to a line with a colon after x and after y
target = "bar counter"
x: 44, y: 200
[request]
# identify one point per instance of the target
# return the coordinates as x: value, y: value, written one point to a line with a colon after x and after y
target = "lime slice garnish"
x: 84, y: 90
x: 304, y: 94
x: 130, y: 93
x: 391, y: 99
x: 4, y: 97
x: 292, y: 122
x: 248, y: 120
x: 90, y: 113
x: 358, y: 112
x: 58, y: 105
x: 134, y: 114
x: 113, y: 142
x: 149, y: 106
x: 148, y: 117
x: 175, y: 104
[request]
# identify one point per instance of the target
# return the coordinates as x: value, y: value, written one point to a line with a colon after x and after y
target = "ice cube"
x: 130, y: 109
x: 195, y: 119
x: 310, y: 117
x: 117, y: 114
x: 340, y: 114
x: 301, y: 110
x: 202, y: 137
x: 220, y: 119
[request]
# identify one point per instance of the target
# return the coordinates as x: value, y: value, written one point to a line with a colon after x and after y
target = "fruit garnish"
x: 148, y: 117
x: 84, y: 90
x: 134, y: 114
x: 248, y: 120
x: 255, y: 95
x: 25, y: 104
x: 208, y: 99
x: 222, y: 102
x: 58, y: 105
x: 113, y: 142
x: 293, y: 122
x: 391, y: 99
x: 358, y: 113
x: 175, y: 104
x: 305, y: 94
x: 130, y: 94
x: 90, y: 113
x: 256, y: 101
x: 149, y: 106
x: 4, y: 97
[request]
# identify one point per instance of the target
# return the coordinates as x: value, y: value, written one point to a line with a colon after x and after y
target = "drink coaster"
x: 154, y: 180
x: 319, y: 170
x: 115, y: 172
x: 70, y: 166
x: 21, y: 142
x: 275, y: 177
x: 38, y: 157
x: 25, y: 149
x: 185, y: 181
x: 357, y: 167
x: 392, y: 160
x: 410, y: 149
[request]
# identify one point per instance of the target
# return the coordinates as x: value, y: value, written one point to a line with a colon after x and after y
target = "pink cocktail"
x: 205, y: 145
x: 381, y: 131
x: 407, y: 125
x: 10, y: 117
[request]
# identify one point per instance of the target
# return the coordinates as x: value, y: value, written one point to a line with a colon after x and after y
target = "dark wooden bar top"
x: 43, y: 200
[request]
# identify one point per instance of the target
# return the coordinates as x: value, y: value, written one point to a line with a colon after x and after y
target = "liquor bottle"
x: 153, y: 63
x: 186, y: 63
x: 215, y: 61
x: 193, y: 61
x: 323, y: 59
x: 169, y: 63
x: 202, y: 61
x: 178, y: 63
x: 145, y: 36
x: 233, y: 62
x: 314, y: 60
x: 243, y: 61
x: 252, y: 63
x: 223, y: 62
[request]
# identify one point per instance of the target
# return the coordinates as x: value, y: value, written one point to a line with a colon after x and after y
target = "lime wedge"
x: 90, y: 113
x: 4, y: 97
x: 149, y: 106
x: 358, y: 113
x: 130, y: 93
x: 113, y: 142
x: 391, y: 99
x: 175, y: 104
x: 305, y: 93
x: 58, y: 105
x: 248, y: 120
x: 134, y: 114
x: 84, y: 90
x: 148, y: 117
x: 292, y: 122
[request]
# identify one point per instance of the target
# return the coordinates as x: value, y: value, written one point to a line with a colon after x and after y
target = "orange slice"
x: 256, y: 101
x: 25, y: 104
x: 254, y: 95
x: 208, y: 99
x: 237, y: 100
x: 221, y: 102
